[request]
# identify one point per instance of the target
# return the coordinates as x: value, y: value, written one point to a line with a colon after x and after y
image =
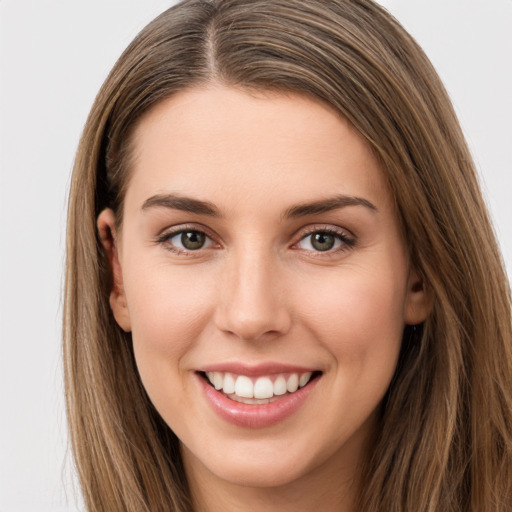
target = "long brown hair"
x: 445, y: 436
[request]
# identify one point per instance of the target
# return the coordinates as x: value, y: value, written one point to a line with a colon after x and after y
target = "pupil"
x: 322, y: 241
x: 192, y: 240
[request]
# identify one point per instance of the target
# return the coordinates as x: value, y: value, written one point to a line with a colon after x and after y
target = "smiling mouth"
x: 258, y: 390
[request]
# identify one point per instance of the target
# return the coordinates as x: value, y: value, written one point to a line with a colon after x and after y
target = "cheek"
x: 358, y: 318
x: 358, y: 314
x: 168, y: 312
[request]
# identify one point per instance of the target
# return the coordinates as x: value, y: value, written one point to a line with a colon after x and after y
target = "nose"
x: 252, y: 301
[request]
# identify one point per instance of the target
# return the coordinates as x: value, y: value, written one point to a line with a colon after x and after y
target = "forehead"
x: 217, y: 140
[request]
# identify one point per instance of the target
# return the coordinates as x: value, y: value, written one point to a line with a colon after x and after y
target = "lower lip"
x: 254, y: 415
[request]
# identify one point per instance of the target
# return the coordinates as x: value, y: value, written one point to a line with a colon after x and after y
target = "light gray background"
x: 54, y: 55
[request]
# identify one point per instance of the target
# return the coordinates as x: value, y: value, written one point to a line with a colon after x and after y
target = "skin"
x: 259, y: 291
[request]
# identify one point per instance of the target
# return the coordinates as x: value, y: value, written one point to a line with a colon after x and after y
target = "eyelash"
x: 347, y: 242
x: 166, y: 237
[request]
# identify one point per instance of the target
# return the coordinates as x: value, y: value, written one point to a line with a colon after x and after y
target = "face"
x: 261, y: 271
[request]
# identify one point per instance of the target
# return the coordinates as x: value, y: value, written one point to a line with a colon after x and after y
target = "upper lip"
x: 253, y: 370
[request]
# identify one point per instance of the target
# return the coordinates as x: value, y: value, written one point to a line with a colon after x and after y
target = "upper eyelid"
x: 326, y: 228
x: 299, y: 234
x: 348, y: 240
x: 165, y: 236
x: 171, y: 231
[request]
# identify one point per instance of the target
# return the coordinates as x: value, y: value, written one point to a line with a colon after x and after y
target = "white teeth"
x: 244, y: 387
x: 280, y: 386
x: 229, y: 384
x: 293, y: 383
x: 263, y: 388
x: 253, y: 401
x: 218, y: 380
x: 304, y: 379
x: 259, y: 389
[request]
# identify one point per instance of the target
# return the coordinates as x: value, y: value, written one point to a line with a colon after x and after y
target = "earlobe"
x: 418, y: 301
x: 107, y: 232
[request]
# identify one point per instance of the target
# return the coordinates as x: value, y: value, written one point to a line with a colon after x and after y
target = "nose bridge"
x: 252, y: 299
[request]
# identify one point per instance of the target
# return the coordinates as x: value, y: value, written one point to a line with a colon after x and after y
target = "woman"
x: 283, y: 290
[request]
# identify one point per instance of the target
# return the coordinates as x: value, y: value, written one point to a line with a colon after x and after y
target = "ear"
x: 418, y: 299
x: 107, y: 232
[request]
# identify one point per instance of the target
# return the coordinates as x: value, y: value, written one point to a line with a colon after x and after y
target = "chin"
x: 259, y: 475
x: 253, y: 467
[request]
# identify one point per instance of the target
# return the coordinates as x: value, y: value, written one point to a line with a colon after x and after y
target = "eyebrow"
x: 327, y: 205
x: 197, y: 206
x: 186, y: 204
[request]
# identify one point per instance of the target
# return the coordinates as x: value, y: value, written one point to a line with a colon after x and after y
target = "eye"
x: 186, y: 240
x: 324, y: 241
